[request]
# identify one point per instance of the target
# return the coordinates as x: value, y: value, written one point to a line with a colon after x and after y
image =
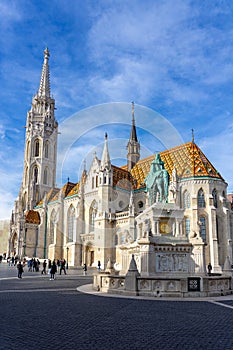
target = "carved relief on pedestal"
x: 144, y: 284
x: 166, y: 262
x: 157, y: 285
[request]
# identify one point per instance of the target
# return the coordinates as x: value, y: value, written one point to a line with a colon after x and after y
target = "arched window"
x: 71, y: 222
x: 46, y: 150
x: 37, y: 148
x: 92, y: 215
x: 201, y: 199
x: 203, y: 228
x: 35, y: 174
x: 45, y: 180
x: 187, y: 226
x: 215, y: 198
x: 186, y: 199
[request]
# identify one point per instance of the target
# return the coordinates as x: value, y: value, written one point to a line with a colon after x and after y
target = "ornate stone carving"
x: 166, y: 262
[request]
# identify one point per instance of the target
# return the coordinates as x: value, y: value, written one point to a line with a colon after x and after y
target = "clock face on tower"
x: 165, y: 228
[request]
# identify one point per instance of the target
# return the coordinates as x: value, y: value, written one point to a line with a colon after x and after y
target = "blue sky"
x: 174, y: 57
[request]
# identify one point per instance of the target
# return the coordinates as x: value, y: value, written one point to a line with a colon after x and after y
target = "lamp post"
x: 67, y: 257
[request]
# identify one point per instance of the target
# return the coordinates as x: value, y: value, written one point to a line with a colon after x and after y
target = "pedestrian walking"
x: 37, y: 265
x: 63, y: 266
x: 209, y: 269
x: 20, y: 269
x: 49, y: 266
x: 53, y: 270
x: 30, y: 263
x: 44, y: 267
x: 85, y: 269
x: 58, y: 264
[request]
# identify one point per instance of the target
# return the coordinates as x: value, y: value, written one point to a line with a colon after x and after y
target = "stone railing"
x: 122, y: 215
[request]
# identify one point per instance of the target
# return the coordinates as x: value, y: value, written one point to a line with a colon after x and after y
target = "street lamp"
x: 67, y: 257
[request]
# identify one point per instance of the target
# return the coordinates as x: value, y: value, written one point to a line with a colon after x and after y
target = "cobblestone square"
x: 37, y: 313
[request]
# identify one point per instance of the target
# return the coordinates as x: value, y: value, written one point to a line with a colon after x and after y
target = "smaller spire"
x: 105, y: 160
x: 133, y: 134
x: 133, y: 110
x: 192, y: 135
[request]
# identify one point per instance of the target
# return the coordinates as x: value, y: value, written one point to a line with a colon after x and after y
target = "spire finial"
x: 46, y: 53
x: 106, y: 136
x: 192, y: 135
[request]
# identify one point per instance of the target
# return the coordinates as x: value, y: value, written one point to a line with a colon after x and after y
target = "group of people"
x: 34, y: 266
x: 50, y: 267
x: 55, y: 266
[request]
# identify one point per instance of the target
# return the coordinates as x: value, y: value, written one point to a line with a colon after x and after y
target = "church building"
x: 170, y: 209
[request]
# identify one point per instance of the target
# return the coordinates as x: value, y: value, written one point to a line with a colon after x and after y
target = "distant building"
x: 172, y: 202
x: 230, y: 198
x: 4, y: 235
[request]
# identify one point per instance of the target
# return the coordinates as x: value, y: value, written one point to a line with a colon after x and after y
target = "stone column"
x: 213, y: 241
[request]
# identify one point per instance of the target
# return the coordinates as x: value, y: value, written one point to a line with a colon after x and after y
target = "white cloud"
x: 9, y: 11
x: 218, y: 148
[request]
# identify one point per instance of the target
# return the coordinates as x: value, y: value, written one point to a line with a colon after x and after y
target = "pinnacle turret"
x: 105, y: 160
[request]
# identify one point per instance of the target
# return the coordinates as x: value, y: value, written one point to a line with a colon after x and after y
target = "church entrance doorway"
x: 89, y: 256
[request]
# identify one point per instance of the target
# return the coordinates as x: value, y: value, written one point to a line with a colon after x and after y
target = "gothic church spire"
x: 44, y: 89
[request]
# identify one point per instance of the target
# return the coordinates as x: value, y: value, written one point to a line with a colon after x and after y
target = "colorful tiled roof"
x: 122, y: 178
x: 64, y: 191
x: 74, y: 190
x: 188, y: 160
x: 49, y: 196
x: 32, y: 217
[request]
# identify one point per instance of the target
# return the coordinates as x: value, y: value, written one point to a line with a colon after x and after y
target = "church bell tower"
x: 39, y: 174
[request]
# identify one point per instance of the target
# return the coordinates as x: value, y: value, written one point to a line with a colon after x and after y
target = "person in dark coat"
x: 209, y: 269
x: 63, y: 266
x: 44, y: 267
x: 85, y: 269
x: 53, y: 270
x: 20, y: 269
